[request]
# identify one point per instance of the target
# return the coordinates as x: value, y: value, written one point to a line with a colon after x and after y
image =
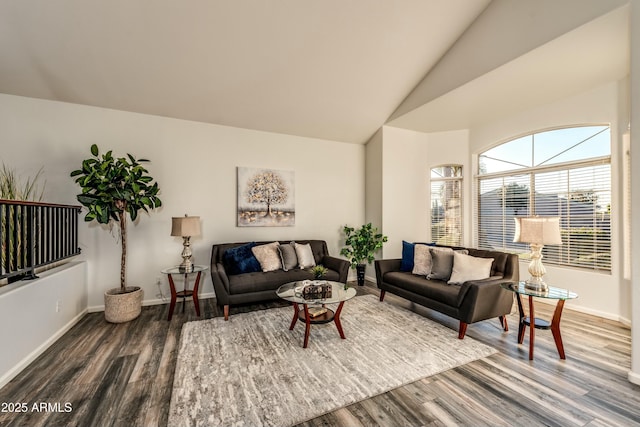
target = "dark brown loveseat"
x: 469, y: 302
x: 258, y: 286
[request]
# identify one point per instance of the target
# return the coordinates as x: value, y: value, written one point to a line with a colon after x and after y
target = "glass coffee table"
x: 294, y: 293
x: 553, y: 293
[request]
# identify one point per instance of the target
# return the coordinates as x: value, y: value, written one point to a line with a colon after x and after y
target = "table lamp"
x: 537, y: 231
x: 185, y: 227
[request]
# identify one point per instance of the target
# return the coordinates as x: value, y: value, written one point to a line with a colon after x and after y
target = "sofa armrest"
x: 220, y: 283
x: 484, y: 299
x: 384, y: 266
x: 337, y: 264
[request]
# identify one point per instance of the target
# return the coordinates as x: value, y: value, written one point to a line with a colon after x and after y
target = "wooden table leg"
x: 172, y: 305
x: 196, y: 302
x: 307, y: 329
x: 295, y: 316
x: 521, y: 326
x: 336, y: 320
x: 532, y: 327
x: 555, y: 328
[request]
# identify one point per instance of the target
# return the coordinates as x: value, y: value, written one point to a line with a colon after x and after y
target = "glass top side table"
x: 186, y: 292
x: 553, y: 293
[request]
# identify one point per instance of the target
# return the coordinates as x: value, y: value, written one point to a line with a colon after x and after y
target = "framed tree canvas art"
x: 266, y: 198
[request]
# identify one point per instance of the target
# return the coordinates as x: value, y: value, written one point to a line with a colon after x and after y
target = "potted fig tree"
x: 361, y: 245
x: 112, y: 189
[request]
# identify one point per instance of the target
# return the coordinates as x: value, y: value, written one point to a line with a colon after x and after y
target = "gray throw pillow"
x: 288, y: 256
x: 442, y: 262
x: 421, y: 260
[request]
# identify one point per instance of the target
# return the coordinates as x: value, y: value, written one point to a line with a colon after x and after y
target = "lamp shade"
x: 538, y: 229
x: 184, y: 226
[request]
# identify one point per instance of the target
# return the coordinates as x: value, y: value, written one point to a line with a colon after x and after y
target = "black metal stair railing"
x: 34, y: 234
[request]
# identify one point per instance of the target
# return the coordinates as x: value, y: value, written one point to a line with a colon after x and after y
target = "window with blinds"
x: 446, y: 205
x: 564, y: 172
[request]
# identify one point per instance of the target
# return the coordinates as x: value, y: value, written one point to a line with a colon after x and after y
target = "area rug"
x: 253, y: 371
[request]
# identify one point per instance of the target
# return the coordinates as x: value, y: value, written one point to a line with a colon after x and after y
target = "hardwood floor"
x: 121, y: 375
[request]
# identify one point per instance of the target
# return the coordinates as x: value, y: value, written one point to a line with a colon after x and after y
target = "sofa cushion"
x: 407, y: 256
x: 288, y: 256
x: 467, y: 267
x: 305, y: 255
x: 421, y: 260
x: 434, y: 289
x: 442, y: 263
x: 268, y: 256
x: 271, y: 280
x: 240, y: 259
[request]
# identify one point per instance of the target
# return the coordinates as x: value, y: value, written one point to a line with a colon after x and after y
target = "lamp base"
x: 536, y: 284
x: 186, y: 267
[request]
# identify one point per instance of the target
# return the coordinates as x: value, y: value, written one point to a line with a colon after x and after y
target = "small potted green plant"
x: 361, y: 245
x: 319, y: 271
x: 112, y: 189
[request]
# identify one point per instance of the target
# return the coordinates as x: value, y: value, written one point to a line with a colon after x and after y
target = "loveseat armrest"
x: 384, y: 266
x: 484, y: 299
x: 220, y: 283
x: 337, y: 264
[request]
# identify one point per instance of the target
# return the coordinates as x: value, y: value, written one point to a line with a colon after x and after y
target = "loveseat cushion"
x: 240, y: 259
x: 288, y: 256
x: 499, y: 260
x: 467, y: 267
x: 271, y: 280
x: 268, y: 256
x: 434, y: 289
x: 442, y: 262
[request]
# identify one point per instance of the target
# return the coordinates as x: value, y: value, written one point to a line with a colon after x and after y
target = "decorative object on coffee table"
x: 361, y: 245
x: 537, y: 231
x: 185, y: 227
x: 111, y: 189
x: 319, y: 271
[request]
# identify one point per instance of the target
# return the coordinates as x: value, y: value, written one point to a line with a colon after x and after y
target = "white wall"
x: 37, y: 313
x: 404, y: 188
x: 634, y: 374
x: 195, y: 166
x: 600, y: 294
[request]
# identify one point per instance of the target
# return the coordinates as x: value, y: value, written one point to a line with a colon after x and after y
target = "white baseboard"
x: 9, y: 375
x: 157, y: 301
x: 590, y: 311
x: 634, y: 378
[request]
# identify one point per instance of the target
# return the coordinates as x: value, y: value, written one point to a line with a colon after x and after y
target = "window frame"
x: 459, y: 179
x: 563, y: 260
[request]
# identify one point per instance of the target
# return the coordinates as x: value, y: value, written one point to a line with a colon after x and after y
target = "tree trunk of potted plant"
x: 123, y: 304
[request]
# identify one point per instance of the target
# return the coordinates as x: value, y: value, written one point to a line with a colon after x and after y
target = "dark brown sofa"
x: 473, y: 301
x: 232, y: 289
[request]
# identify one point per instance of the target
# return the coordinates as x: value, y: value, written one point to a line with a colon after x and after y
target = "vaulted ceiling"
x: 330, y: 69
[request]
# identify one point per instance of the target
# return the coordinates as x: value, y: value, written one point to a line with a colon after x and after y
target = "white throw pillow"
x: 467, y: 267
x: 268, y: 256
x: 421, y: 260
x: 305, y: 255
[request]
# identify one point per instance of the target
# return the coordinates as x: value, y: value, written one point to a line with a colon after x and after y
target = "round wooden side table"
x: 553, y: 293
x: 185, y: 292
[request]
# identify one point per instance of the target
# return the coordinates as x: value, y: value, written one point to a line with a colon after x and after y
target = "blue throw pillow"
x: 408, y: 252
x: 240, y: 260
x: 407, y: 256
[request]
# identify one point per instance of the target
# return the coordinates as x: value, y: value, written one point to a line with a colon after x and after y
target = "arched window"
x: 446, y: 205
x: 562, y: 172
